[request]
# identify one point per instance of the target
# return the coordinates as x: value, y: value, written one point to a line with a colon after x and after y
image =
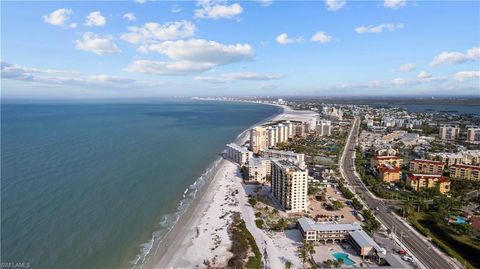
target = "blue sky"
x: 128, y: 49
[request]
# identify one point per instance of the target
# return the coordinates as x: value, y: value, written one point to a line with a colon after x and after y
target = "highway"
x: 421, y: 249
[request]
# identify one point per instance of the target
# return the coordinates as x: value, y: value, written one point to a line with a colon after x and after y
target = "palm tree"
x: 288, y: 264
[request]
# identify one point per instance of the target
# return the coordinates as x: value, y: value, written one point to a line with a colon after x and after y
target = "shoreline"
x: 172, y: 240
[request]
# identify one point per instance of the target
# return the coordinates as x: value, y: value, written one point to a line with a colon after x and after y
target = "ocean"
x: 98, y: 185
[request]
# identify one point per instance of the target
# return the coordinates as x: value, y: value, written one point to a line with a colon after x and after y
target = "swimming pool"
x: 461, y: 220
x: 344, y: 257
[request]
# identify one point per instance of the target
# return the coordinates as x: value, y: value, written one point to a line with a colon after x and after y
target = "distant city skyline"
x: 141, y: 49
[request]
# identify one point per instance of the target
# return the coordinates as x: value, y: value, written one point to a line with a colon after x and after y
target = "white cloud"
x: 72, y: 25
x: 321, y: 37
x: 129, y: 16
x: 140, y: 1
x: 176, y: 9
x: 334, y: 5
x: 194, y: 55
x: 95, y: 18
x: 152, y: 32
x: 168, y: 68
x: 472, y: 54
x: 97, y: 44
x: 407, y: 67
x: 212, y: 9
x: 466, y: 75
x: 58, y: 17
x: 424, y: 75
x: 265, y: 3
x: 245, y: 76
x: 378, y: 28
x: 67, y: 78
x: 399, y: 81
x: 394, y: 4
x: 283, y: 39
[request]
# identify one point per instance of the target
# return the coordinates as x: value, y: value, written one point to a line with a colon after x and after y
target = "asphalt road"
x: 421, y: 249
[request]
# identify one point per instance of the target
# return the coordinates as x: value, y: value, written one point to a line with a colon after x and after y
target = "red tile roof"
x: 392, y: 169
x: 413, y: 176
x: 427, y: 161
x: 473, y: 167
x: 385, y: 157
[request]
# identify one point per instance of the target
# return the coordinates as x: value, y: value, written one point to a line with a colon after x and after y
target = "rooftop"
x: 364, y: 240
x: 237, y: 147
x: 309, y: 225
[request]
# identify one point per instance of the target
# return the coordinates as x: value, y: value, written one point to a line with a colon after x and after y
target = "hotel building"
x: 422, y: 181
x: 449, y: 132
x: 289, y: 186
x: 238, y: 154
x: 324, y: 128
x: 389, y: 173
x: 463, y: 171
x: 259, y: 170
x: 297, y: 159
x: 422, y: 166
x: 329, y: 233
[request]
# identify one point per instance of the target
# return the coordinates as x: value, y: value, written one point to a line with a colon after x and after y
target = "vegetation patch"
x: 245, y: 251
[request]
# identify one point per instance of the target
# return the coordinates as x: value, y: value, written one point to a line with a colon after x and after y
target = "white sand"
x: 203, y: 234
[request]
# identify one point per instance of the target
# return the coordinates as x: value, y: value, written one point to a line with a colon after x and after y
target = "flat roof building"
x: 238, y: 154
x: 289, y: 186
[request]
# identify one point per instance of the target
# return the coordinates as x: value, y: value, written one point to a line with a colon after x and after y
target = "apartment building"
x: 448, y: 158
x: 258, y: 139
x: 376, y: 161
x: 297, y: 159
x: 289, y: 186
x: 389, y: 173
x: 421, y: 166
x: 259, y: 170
x: 238, y: 154
x: 449, y: 132
x: 324, y: 128
x: 423, y: 181
x: 473, y: 134
x: 462, y: 171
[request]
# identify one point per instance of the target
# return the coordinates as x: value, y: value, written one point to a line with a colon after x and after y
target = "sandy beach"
x: 201, y: 233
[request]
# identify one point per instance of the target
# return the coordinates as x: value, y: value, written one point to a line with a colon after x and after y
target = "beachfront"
x: 201, y: 234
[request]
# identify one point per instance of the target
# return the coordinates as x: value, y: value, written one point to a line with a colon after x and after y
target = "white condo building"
x: 473, y: 135
x: 324, y: 128
x: 259, y: 170
x: 297, y: 159
x: 238, y: 154
x: 289, y: 186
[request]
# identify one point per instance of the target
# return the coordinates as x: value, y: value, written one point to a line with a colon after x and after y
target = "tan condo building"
x: 297, y: 159
x: 389, y: 173
x: 376, y: 161
x: 422, y: 166
x: 462, y: 171
x: 449, y: 132
x: 289, y: 186
x: 422, y: 181
x: 473, y: 135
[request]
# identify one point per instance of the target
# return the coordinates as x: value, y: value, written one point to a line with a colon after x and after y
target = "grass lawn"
x: 461, y: 247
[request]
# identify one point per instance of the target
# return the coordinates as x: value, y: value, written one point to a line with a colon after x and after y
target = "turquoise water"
x: 97, y: 185
x: 461, y: 220
x: 344, y: 257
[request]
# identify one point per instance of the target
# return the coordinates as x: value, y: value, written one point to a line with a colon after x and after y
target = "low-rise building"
x: 289, y: 186
x: 329, y: 233
x: 448, y: 158
x: 423, y: 181
x: 259, y: 170
x: 238, y: 154
x: 463, y: 171
x: 389, y: 173
x: 376, y: 161
x: 449, y: 132
x: 422, y: 166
